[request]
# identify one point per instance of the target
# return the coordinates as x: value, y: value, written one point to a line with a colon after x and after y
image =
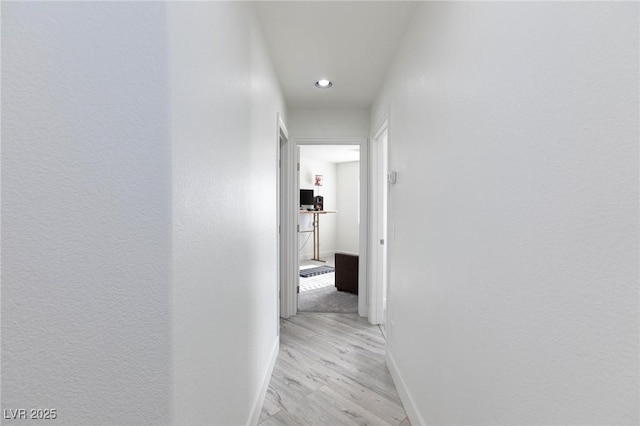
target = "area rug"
x: 318, y: 281
x: 328, y: 299
x: 319, y: 270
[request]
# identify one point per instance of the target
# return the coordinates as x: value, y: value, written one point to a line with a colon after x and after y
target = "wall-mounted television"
x: 306, y: 198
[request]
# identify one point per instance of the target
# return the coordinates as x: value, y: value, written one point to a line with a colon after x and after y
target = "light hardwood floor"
x: 331, y: 371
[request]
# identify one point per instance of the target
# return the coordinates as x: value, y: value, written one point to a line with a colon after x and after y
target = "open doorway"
x: 291, y: 217
x: 329, y: 234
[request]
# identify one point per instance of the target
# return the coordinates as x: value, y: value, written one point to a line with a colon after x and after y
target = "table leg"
x: 316, y: 238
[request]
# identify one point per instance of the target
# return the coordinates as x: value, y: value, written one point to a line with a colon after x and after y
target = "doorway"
x: 289, y: 289
x: 328, y: 234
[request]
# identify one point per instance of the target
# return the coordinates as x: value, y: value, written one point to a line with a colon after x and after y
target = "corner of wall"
x: 405, y: 395
x: 266, y: 378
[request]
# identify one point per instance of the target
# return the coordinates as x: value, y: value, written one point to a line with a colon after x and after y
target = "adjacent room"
x: 329, y: 233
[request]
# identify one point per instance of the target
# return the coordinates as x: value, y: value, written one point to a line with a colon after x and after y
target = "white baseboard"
x: 257, y: 406
x: 405, y: 396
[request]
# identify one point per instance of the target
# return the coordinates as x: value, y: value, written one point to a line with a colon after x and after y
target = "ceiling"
x: 330, y: 153
x: 350, y: 43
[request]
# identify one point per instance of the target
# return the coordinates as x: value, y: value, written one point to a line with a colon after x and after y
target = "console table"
x: 316, y: 230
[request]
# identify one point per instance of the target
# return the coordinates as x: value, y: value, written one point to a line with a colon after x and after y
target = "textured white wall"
x: 321, y: 123
x: 347, y: 224
x: 86, y: 212
x: 309, y: 167
x: 514, y: 268
x: 225, y: 98
x: 138, y: 211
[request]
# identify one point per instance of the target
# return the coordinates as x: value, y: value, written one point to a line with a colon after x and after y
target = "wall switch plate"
x: 391, y: 177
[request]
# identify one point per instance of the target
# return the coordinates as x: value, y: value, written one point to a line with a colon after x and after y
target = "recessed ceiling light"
x: 323, y: 84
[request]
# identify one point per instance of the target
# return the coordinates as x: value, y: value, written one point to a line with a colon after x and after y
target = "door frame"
x: 376, y: 305
x: 289, y: 294
x: 286, y: 215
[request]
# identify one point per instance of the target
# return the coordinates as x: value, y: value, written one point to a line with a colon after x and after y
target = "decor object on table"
x: 318, y: 201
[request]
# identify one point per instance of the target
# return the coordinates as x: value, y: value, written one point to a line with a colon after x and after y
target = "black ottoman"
x: 347, y: 272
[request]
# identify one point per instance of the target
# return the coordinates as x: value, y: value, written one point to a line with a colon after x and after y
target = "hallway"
x: 149, y: 161
x: 331, y: 371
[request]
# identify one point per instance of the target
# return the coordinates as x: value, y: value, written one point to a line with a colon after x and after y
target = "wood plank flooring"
x: 331, y: 371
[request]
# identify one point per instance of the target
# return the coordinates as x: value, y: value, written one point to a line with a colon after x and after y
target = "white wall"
x: 86, y: 212
x: 321, y: 123
x: 309, y: 167
x: 348, y: 195
x: 225, y: 99
x: 138, y: 276
x: 514, y: 273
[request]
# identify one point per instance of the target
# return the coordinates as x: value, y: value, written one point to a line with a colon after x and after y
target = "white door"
x: 287, y: 219
x: 382, y: 223
x: 282, y: 220
x: 297, y: 256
